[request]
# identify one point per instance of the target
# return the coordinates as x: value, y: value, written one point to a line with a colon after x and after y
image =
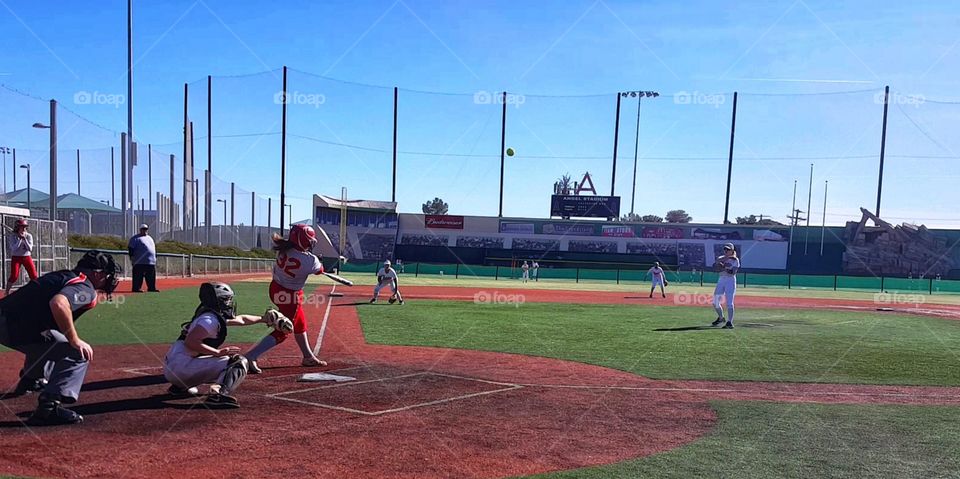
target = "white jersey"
x: 525, y: 267
x: 20, y: 246
x: 211, y: 327
x: 656, y: 273
x: 384, y: 276
x: 293, y: 267
x: 730, y: 266
x: 183, y: 368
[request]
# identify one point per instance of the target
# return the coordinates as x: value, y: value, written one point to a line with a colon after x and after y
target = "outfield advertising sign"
x: 571, y: 229
x: 443, y: 222
x: 516, y: 228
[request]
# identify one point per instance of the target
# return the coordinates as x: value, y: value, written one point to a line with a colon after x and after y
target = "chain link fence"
x: 184, y: 265
x: 50, y: 249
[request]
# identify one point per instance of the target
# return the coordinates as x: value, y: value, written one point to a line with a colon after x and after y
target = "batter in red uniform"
x: 295, y: 263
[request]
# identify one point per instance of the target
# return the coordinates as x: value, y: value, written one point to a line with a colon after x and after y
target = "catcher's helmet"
x: 218, y: 297
x: 303, y: 237
x: 98, y: 261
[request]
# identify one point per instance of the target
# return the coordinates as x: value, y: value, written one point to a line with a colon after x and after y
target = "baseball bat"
x: 339, y: 279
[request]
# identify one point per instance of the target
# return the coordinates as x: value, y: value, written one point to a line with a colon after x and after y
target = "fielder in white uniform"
x: 387, y: 276
x: 727, y: 264
x: 657, y: 279
x: 525, y: 268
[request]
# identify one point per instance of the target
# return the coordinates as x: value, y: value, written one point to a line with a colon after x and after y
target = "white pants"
x: 379, y: 286
x: 186, y: 372
x: 526, y: 276
x: 726, y: 287
x: 657, y: 282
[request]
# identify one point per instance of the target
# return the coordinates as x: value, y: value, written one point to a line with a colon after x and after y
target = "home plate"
x: 320, y: 377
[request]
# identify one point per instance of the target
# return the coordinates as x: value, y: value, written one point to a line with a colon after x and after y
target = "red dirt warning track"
x: 412, y: 412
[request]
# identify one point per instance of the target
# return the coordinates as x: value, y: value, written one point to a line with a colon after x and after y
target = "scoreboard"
x: 569, y: 206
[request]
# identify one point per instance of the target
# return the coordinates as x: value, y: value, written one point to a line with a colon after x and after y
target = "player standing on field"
x: 526, y: 271
x: 727, y: 265
x: 386, y: 276
x: 657, y: 278
x: 536, y: 270
x: 295, y: 263
x: 19, y: 245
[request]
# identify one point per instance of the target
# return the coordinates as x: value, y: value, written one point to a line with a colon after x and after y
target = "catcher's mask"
x: 95, y: 261
x: 218, y: 297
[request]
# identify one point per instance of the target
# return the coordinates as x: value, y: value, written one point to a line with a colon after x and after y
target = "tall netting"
x: 449, y: 147
x: 681, y: 152
x: 338, y: 134
x: 556, y: 135
x: 838, y: 133
x: 921, y: 160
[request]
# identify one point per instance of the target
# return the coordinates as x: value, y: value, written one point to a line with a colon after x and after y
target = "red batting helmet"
x: 303, y: 237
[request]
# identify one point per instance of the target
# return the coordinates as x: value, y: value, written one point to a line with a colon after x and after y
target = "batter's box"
x: 394, y: 394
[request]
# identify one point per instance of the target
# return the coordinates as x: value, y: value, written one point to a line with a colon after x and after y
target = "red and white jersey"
x: 293, y: 267
x: 656, y: 272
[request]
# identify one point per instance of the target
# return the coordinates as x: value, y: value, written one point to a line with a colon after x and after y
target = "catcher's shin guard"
x: 234, y: 374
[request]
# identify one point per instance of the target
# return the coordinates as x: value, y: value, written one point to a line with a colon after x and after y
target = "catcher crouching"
x: 198, y: 355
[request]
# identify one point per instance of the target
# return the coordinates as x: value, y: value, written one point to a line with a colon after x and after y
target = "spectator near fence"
x: 20, y: 245
x: 143, y: 255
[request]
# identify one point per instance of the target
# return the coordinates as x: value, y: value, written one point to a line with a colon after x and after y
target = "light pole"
x: 290, y: 217
x: 27, y: 166
x: 219, y: 200
x: 4, y: 150
x: 636, y: 144
x: 53, y: 157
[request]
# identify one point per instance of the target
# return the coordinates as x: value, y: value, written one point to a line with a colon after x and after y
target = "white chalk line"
x: 281, y: 395
x: 323, y: 325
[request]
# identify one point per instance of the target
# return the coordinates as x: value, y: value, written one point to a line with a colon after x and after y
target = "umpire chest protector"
x: 221, y: 332
x: 28, y: 309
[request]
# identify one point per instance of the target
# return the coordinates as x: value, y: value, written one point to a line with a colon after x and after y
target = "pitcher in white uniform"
x: 657, y: 279
x: 727, y: 265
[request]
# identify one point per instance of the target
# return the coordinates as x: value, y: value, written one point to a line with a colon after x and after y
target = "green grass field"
x: 766, y: 440
x: 369, y: 279
x: 784, y: 345
x: 751, y: 439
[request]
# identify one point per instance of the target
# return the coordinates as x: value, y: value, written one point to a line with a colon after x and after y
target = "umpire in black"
x: 37, y: 320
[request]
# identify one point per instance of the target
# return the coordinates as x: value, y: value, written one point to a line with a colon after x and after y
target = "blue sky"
x: 564, y: 59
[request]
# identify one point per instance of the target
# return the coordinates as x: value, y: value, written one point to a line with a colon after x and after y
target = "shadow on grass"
x: 687, y: 328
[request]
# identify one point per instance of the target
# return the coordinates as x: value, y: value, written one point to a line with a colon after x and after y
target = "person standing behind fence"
x: 20, y: 245
x: 143, y: 256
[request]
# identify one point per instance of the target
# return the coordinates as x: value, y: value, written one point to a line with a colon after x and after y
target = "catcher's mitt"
x: 276, y: 320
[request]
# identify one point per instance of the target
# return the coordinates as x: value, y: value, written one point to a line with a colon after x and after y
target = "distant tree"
x: 678, y: 216
x: 435, y: 206
x: 565, y: 184
x: 630, y: 217
x: 753, y: 220
x: 651, y: 219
